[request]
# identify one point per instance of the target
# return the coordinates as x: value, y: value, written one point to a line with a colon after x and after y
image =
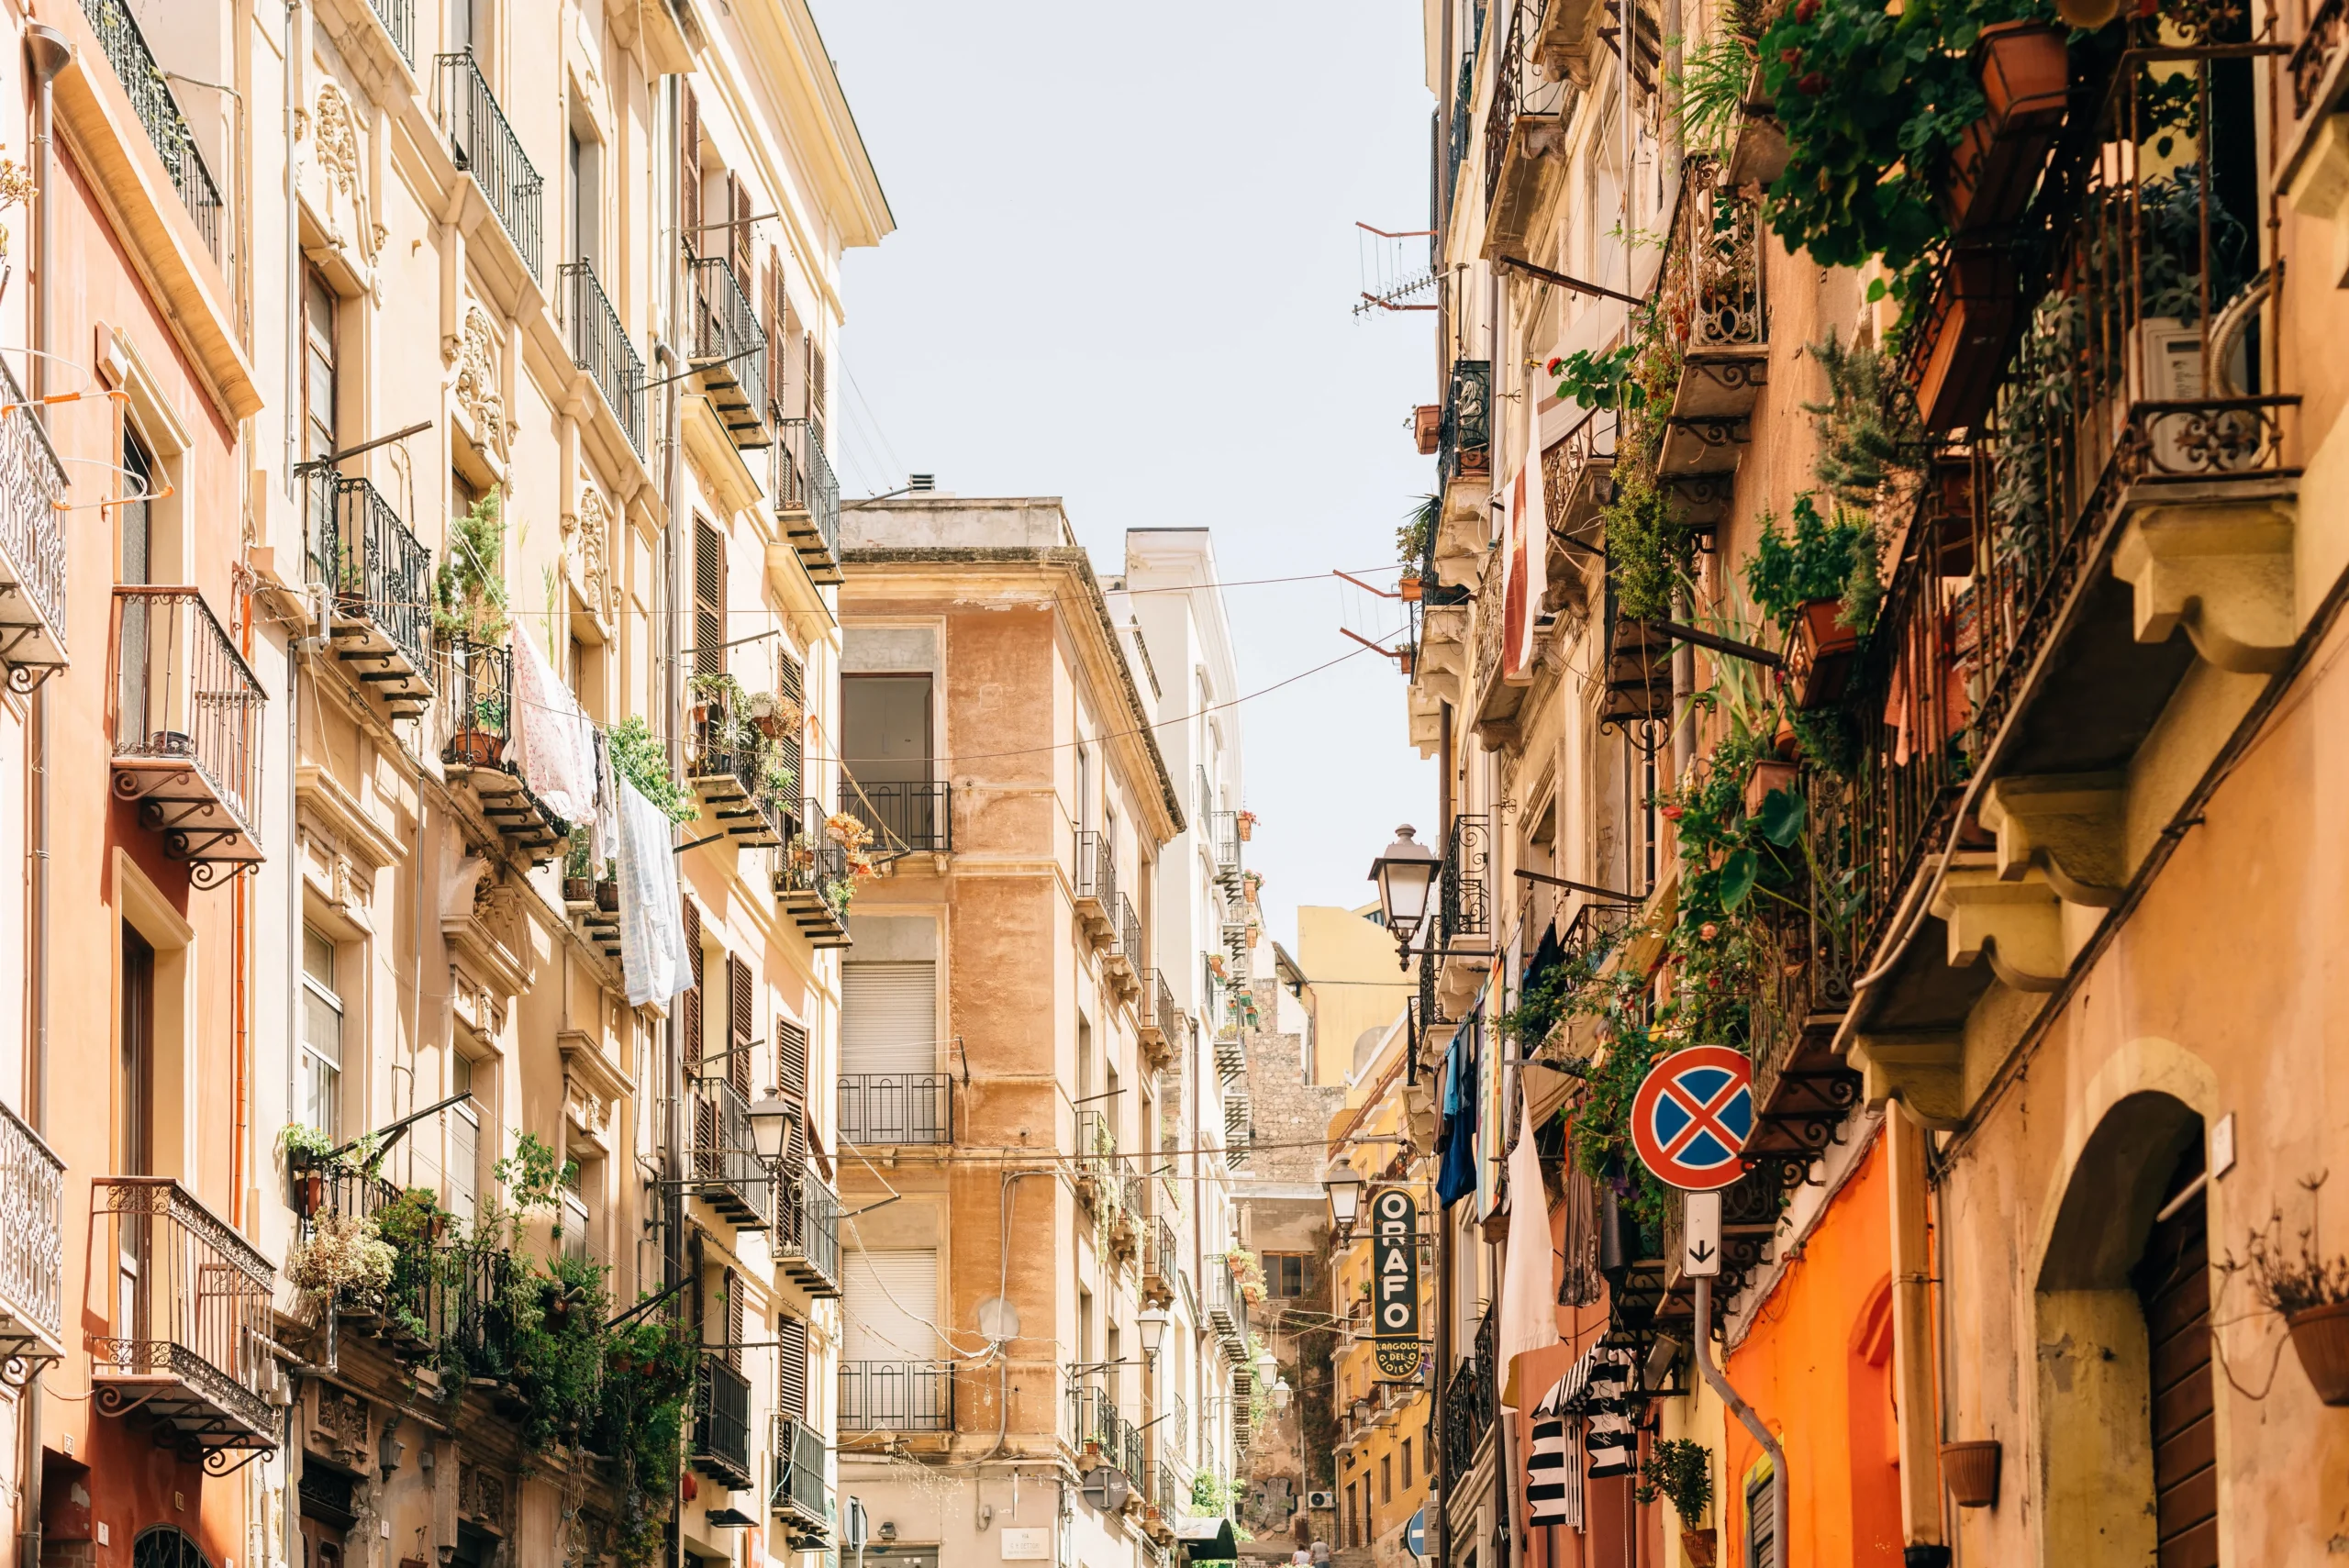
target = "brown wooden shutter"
x: 770, y: 318
x: 790, y: 371
x: 2173, y: 1283
x: 816, y: 400
x: 689, y: 1009
x: 737, y: 239
x: 739, y: 1025
x: 689, y: 165
x: 791, y: 1382
x: 790, y: 1058
x: 734, y: 1319
x: 709, y: 598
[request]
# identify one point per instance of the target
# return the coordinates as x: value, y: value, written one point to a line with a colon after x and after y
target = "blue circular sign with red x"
x: 1692, y: 1116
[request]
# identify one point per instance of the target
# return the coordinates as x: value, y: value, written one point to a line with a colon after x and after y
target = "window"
x: 709, y: 599
x: 464, y: 1142
x: 1761, y: 1521
x: 318, y: 1079
x: 583, y: 157
x: 577, y: 1245
x: 1287, y: 1275
x: 138, y: 516
x: 884, y: 729
x: 1406, y: 1464
x: 1386, y: 1478
x: 320, y: 377
x: 464, y: 18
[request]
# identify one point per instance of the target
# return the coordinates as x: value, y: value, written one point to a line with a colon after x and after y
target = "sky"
x: 1123, y: 274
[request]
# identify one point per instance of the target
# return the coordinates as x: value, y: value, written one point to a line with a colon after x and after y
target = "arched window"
x: 166, y: 1547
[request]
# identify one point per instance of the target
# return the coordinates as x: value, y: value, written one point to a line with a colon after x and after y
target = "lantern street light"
x: 770, y: 1121
x: 1343, y: 1183
x: 1281, y: 1392
x: 1152, y: 1324
x: 1405, y: 874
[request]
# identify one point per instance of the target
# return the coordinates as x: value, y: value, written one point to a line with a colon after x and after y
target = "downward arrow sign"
x: 1700, y: 1251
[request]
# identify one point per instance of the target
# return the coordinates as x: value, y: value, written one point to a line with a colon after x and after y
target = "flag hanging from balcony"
x: 1524, y: 575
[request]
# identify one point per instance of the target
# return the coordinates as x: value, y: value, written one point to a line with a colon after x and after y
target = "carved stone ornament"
x: 340, y: 1431
x: 336, y: 147
x: 586, y: 545
x: 477, y: 391
x: 482, y: 1496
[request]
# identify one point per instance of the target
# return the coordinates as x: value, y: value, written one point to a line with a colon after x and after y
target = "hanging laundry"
x: 1528, y: 1284
x: 1457, y: 1176
x: 653, y: 924
x: 556, y: 737
x: 1553, y: 1470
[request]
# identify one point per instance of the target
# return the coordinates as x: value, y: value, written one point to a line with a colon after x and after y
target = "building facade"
x: 1895, y: 653
x: 448, y: 385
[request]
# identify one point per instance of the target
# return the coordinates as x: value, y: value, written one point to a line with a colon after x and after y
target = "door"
x: 135, y: 1128
x: 889, y: 1053
x: 888, y: 1301
x: 2172, y: 1283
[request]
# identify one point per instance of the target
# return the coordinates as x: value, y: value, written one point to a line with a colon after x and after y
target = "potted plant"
x: 2024, y: 71
x: 2311, y: 1293
x: 1962, y: 334
x: 1247, y: 822
x: 1970, y: 1471
x: 469, y: 599
x: 1801, y: 580
x: 1680, y: 1471
x: 481, y: 742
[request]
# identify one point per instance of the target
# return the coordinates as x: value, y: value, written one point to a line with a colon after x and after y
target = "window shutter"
x: 709, y: 598
x: 888, y: 1300
x: 689, y: 164
x: 793, y: 373
x: 791, y: 1382
x: 734, y: 1319
x: 889, y: 1016
x: 689, y: 1008
x: 739, y: 237
x: 816, y: 401
x: 790, y: 687
x: 770, y: 319
x: 790, y: 1058
x: 739, y: 1025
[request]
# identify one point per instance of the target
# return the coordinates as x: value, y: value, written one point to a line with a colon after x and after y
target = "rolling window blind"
x: 889, y: 1016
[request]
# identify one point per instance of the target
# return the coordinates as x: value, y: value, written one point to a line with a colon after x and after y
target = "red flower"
x: 1552, y: 367
x: 1790, y: 57
x: 1672, y: 812
x: 1813, y: 84
x: 1804, y: 11
x: 1709, y: 931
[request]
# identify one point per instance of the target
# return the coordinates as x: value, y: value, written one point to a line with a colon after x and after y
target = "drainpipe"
x: 47, y: 53
x: 673, y: 1194
x: 1912, y: 1337
x: 1781, y: 1526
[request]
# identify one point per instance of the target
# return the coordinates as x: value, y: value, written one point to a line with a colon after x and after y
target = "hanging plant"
x: 341, y: 1253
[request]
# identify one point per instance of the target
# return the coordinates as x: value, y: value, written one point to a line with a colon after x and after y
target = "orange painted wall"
x: 1818, y: 1368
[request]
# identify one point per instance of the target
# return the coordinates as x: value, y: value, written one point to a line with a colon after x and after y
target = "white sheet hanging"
x: 653, y: 922
x: 558, y: 741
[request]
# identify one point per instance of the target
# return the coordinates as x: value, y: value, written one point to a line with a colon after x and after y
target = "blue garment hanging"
x: 1456, y: 1175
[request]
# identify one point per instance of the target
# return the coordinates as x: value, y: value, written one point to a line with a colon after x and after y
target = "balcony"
x: 1470, y: 1396
x: 896, y: 1396
x: 727, y: 1173
x: 881, y: 1108
x: 1162, y: 1261
x: 1638, y: 699
x: 1227, y: 1308
x: 721, y: 1436
x: 484, y: 144
x: 807, y: 499
x: 905, y: 816
x: 600, y: 345
x: 727, y: 348
x: 2129, y: 480
x: 1239, y: 1123
x: 806, y: 1237
x: 190, y: 1347
x: 187, y: 741
x: 398, y: 17
x: 1096, y: 1158
x: 1712, y: 303
x: 1496, y: 694
x: 475, y: 703
x: 800, y: 1495
x: 727, y: 761
x: 1096, y: 885
x: 1121, y: 960
x: 1577, y: 479
x: 1463, y: 910
x: 811, y: 882
x: 1524, y: 142
x: 1464, y: 448
x: 32, y: 1253
x: 380, y: 584
x: 1158, y: 1023
x: 32, y: 545
x: 143, y: 81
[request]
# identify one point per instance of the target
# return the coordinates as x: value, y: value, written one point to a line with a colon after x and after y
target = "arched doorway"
x: 163, y: 1546
x: 2122, y: 1309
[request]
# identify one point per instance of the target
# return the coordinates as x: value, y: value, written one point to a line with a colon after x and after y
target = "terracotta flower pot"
x: 476, y: 748
x: 1964, y: 335
x: 314, y: 1192
x: 2320, y: 1336
x: 578, y: 889
x: 1703, y: 1546
x: 1785, y: 742
x: 1819, y: 656
x: 1427, y: 428
x: 1768, y: 777
x: 608, y: 897
x: 1970, y: 1471
x: 2025, y: 74
x: 1410, y: 589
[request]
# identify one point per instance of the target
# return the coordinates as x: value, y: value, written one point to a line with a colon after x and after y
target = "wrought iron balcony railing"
x: 485, y: 146
x: 727, y: 1169
x: 896, y: 1107
x: 811, y: 879
x: 807, y: 498
x: 1097, y: 873
x: 189, y: 1345
x: 1155, y: 1014
x: 1464, y: 909
x: 896, y: 1396
x: 1125, y: 934
x: 474, y: 712
x: 912, y: 816
x: 32, y: 1247
x: 1521, y: 125
x: 1177, y: 1428
x: 187, y: 740
x: 806, y: 1242
x: 1226, y: 1308
x: 1469, y: 1402
x: 1464, y: 444
x: 726, y: 344
x: 149, y: 91
x: 32, y: 544
x: 600, y: 345
x: 801, y: 1489
x: 398, y: 17
x: 722, y: 1437
x: 381, y: 579
x: 726, y: 759
x: 1225, y: 832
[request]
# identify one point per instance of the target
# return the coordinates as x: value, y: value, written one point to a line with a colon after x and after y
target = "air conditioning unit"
x: 1321, y: 1499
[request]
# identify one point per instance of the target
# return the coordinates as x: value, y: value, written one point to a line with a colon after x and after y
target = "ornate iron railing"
x: 1469, y: 1397
x: 1491, y: 618
x: 398, y: 17
x: 1516, y: 92
x: 1125, y: 933
x: 1464, y: 443
x: 722, y: 1437
x: 1456, y: 143
x: 1712, y: 269
x: 32, y: 1240
x: 1161, y: 1250
x: 149, y: 91
x: 896, y: 1396
x: 807, y: 1228
x: 1177, y: 1428
x: 600, y: 345
x: 1155, y: 1009
x: 190, y: 1314
x: 915, y: 815
x: 1464, y: 909
x: 896, y: 1107
x: 727, y: 1168
x: 1226, y: 827
x: 474, y: 697
x: 360, y: 549
x: 184, y: 694
x: 724, y: 327
x: 484, y: 144
x: 32, y: 541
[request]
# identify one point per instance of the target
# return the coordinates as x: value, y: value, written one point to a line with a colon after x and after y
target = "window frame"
x: 329, y: 994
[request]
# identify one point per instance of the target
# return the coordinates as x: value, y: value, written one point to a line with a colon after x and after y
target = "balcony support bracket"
x: 1924, y: 1070
x: 2067, y: 826
x: 2016, y: 925
x: 2223, y: 572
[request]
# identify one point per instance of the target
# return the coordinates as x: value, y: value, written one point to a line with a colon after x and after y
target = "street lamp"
x: 1280, y: 1395
x: 1267, y: 1370
x: 1343, y: 1183
x: 1404, y: 875
x: 1152, y: 1324
x: 770, y: 1121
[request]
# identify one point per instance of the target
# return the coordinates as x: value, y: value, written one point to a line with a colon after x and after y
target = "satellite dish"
x: 999, y: 1319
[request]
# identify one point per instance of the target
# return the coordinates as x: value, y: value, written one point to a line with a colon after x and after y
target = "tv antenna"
x: 1396, y: 274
